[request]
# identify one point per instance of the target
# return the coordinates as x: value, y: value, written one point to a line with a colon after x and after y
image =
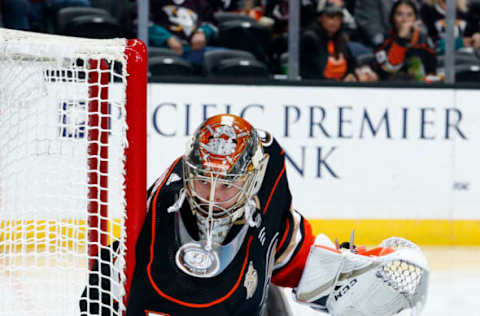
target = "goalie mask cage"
x: 72, y: 169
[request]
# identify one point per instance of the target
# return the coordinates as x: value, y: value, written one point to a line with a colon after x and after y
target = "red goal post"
x: 72, y: 167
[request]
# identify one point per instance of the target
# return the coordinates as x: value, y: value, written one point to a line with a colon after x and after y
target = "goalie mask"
x: 223, y: 169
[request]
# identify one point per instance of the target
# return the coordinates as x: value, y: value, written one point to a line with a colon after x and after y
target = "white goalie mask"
x: 223, y: 169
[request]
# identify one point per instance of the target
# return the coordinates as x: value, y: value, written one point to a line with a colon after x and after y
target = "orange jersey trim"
x: 149, y: 267
x: 285, y: 234
x: 273, y: 189
x: 203, y: 305
x: 290, y: 275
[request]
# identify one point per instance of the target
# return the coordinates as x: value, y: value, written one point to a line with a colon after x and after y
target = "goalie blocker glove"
x: 382, y: 281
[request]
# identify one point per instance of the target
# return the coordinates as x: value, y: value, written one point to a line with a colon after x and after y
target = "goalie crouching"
x: 220, y: 228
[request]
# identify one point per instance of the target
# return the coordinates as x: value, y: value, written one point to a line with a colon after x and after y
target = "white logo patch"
x: 173, y: 178
x: 223, y: 141
x: 251, y: 280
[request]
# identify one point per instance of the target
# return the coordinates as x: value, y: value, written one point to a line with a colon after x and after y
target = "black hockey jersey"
x: 275, y: 250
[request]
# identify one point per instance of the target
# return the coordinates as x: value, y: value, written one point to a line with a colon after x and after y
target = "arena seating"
x: 222, y: 17
x: 169, y: 66
x: 244, y: 35
x: 87, y: 22
x: 467, y: 73
x: 236, y: 32
x: 233, y: 63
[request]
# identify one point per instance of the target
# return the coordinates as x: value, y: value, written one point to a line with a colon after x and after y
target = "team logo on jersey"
x: 251, y: 280
x: 173, y: 178
x: 182, y: 19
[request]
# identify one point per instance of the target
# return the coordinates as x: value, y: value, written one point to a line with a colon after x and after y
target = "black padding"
x: 467, y: 73
x: 94, y: 26
x: 241, y: 67
x: 248, y: 36
x: 169, y: 66
x: 222, y: 17
x: 161, y: 51
x: 213, y: 57
x: 65, y: 15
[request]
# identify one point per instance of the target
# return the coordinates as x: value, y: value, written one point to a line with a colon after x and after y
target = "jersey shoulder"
x: 271, y: 146
x: 171, y: 180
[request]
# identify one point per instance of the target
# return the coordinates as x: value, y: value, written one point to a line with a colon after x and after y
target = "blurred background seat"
x: 170, y: 66
x: 222, y: 17
x: 65, y: 15
x: 365, y: 59
x: 94, y: 26
x: 160, y: 51
x: 467, y: 73
x: 233, y: 63
x: 242, y: 35
x: 461, y: 58
x: 107, y: 5
x: 121, y: 10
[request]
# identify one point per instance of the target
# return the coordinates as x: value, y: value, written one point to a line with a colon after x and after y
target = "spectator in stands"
x: 407, y: 52
x: 355, y: 38
x: 373, y: 19
x: 253, y: 8
x: 277, y: 12
x: 324, y: 51
x: 15, y: 14
x: 467, y: 33
x: 185, y: 26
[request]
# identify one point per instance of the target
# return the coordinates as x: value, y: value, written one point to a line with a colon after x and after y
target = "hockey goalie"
x: 221, y: 228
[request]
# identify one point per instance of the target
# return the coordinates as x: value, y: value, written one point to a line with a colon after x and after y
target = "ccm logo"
x: 345, y: 289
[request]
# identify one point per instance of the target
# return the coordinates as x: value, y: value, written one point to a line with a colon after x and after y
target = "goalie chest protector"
x: 159, y: 287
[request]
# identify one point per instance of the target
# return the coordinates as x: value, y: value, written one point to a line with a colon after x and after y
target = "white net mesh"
x: 52, y: 172
x: 408, y: 275
x: 402, y: 276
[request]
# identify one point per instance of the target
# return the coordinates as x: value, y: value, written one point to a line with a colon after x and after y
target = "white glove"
x: 381, y: 282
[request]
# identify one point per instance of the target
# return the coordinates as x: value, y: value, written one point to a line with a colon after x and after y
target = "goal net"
x: 72, y: 169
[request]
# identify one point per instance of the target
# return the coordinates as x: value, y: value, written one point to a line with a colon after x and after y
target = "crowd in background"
x: 340, y: 40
